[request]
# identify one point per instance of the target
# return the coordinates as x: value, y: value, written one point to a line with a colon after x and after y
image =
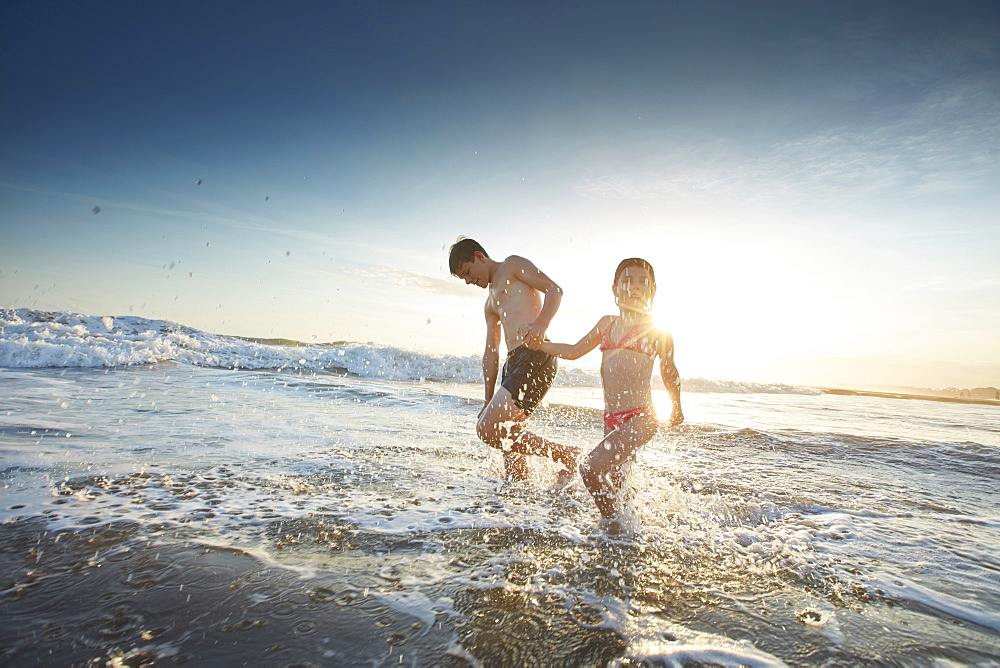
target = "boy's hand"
x: 534, y: 334
x: 527, y: 335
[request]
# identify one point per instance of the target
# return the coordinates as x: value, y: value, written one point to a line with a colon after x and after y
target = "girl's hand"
x: 535, y: 334
x: 528, y: 338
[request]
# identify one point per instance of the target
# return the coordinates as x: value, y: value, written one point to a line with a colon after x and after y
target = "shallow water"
x: 173, y: 513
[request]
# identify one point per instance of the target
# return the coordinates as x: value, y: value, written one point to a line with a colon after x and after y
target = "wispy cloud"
x: 959, y: 285
x: 410, y: 280
x: 210, y: 213
x: 231, y: 219
x: 928, y: 122
x: 948, y: 143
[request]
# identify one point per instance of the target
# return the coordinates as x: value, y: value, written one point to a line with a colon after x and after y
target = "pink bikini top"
x: 632, y: 340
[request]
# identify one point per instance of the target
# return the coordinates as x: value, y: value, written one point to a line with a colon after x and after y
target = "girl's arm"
x: 671, y: 377
x: 572, y: 351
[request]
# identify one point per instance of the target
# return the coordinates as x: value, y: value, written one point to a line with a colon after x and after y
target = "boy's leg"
x: 495, y: 421
x: 601, y: 471
x: 502, y: 426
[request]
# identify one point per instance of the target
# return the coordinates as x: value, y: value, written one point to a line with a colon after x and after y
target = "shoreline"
x: 900, y: 395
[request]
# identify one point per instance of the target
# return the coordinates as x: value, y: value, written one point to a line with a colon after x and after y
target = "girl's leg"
x: 601, y: 471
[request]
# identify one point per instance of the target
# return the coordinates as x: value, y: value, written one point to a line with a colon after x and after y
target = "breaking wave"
x: 37, y: 339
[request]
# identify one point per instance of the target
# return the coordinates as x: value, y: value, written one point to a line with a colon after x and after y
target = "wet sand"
x: 111, y: 593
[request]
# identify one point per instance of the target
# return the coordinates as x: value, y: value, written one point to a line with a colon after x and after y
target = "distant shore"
x: 900, y: 395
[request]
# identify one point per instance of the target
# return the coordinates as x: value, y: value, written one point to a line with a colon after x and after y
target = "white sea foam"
x: 732, y: 386
x: 40, y: 339
x: 35, y: 339
x: 959, y: 608
x: 366, y: 482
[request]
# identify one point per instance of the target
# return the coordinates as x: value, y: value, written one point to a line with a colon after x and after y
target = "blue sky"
x: 817, y: 184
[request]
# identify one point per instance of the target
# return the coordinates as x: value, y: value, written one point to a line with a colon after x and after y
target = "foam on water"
x: 42, y: 339
x: 35, y: 339
x: 295, y: 503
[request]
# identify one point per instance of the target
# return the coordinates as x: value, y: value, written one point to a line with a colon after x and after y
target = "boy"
x: 520, y: 302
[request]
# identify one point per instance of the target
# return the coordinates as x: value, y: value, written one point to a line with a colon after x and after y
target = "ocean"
x: 174, y: 496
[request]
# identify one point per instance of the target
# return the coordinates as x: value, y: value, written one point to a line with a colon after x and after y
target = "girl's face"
x: 634, y: 289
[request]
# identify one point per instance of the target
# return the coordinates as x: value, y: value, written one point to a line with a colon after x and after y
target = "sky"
x: 816, y: 184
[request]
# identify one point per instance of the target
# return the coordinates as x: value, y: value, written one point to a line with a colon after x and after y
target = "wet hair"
x: 636, y: 262
x: 462, y: 251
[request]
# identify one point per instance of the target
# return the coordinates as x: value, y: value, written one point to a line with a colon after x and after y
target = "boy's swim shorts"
x: 528, y: 375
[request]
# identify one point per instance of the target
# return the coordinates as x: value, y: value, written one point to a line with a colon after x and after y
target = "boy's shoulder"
x: 514, y: 264
x: 513, y: 259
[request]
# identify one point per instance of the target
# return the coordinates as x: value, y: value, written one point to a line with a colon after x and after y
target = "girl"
x: 630, y: 343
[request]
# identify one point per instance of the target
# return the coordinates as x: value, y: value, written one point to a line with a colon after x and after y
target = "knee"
x: 482, y: 430
x: 488, y: 431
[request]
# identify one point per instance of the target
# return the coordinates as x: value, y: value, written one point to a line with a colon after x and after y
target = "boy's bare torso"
x: 514, y: 302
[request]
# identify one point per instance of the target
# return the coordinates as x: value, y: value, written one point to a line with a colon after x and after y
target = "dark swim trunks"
x: 528, y: 375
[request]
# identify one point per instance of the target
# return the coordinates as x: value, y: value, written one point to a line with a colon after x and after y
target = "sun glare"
x: 736, y: 306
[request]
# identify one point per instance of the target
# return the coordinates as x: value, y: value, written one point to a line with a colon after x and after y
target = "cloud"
x: 410, y: 280
x: 224, y: 216
x: 927, y: 122
x: 989, y: 285
x: 948, y: 143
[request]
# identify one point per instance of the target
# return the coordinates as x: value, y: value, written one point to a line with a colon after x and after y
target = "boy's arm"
x: 533, y: 277
x: 491, y: 353
x: 671, y: 377
x: 571, y: 351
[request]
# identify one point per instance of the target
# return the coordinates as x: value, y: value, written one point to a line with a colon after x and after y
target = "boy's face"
x: 475, y: 272
x: 634, y: 287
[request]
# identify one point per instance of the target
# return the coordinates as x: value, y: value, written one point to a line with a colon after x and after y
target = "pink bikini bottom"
x: 615, y: 420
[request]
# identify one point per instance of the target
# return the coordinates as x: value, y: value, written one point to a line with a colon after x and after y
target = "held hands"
x: 532, y: 335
